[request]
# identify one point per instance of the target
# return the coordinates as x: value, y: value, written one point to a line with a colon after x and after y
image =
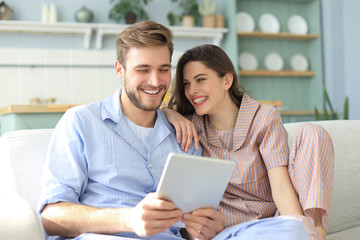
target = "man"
x: 105, y: 159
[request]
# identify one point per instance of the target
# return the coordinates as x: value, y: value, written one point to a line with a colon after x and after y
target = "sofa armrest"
x: 18, y: 220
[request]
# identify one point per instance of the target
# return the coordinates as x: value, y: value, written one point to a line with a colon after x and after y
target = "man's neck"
x: 136, y: 115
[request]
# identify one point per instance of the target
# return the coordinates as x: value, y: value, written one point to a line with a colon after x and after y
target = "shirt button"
x: 150, y: 165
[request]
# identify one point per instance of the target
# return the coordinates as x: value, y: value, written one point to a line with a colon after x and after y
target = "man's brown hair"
x: 142, y: 34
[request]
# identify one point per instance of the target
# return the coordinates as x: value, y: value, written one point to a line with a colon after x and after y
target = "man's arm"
x: 151, y: 216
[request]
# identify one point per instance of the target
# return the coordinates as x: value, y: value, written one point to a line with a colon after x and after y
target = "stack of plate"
x: 244, y: 22
x: 297, y: 25
x: 299, y: 62
x: 268, y: 23
x: 274, y: 62
x: 248, y: 61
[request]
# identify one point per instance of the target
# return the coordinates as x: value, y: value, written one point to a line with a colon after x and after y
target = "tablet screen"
x: 193, y: 182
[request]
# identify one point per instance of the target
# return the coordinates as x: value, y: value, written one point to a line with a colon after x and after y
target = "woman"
x: 268, y: 180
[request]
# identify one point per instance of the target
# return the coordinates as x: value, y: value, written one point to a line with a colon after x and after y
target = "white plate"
x: 297, y: 25
x: 299, y: 62
x: 268, y: 23
x: 244, y: 22
x: 274, y: 62
x: 248, y: 61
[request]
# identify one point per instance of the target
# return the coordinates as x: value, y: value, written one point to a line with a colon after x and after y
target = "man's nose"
x: 154, y: 79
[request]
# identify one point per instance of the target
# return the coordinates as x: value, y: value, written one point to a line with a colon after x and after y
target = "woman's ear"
x: 228, y: 80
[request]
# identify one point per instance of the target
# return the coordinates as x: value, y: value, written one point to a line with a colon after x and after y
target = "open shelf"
x: 283, y: 35
x: 215, y: 35
x: 283, y: 73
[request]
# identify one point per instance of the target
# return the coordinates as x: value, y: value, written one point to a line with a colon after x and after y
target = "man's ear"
x: 119, y: 69
x: 228, y: 80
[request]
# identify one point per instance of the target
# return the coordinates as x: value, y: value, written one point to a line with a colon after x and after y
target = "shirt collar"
x: 244, y: 120
x: 111, y: 107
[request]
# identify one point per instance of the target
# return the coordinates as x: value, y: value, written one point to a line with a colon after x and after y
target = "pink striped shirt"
x: 259, y: 143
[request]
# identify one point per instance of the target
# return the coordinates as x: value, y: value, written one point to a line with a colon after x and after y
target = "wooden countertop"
x: 36, y: 108
x: 53, y: 108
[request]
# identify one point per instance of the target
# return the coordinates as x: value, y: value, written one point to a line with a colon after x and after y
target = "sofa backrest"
x: 345, y: 208
x: 22, y: 155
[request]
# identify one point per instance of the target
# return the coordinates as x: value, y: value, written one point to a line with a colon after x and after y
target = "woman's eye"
x: 185, y: 84
x: 201, y: 79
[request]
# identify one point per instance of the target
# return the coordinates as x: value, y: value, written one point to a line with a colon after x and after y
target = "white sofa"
x: 22, y: 154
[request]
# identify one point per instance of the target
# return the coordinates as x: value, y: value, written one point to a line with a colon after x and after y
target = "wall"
x: 340, y: 35
x: 341, y: 51
x: 57, y: 66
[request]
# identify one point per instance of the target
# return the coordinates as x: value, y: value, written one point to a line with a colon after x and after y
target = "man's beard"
x: 137, y: 102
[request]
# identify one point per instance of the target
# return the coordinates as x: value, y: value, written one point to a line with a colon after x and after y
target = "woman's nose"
x: 193, y: 89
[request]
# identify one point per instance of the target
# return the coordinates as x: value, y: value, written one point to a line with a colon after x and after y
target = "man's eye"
x: 164, y: 70
x: 142, y: 70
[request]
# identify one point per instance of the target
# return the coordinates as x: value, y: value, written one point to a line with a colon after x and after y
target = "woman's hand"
x: 185, y: 129
x: 204, y: 223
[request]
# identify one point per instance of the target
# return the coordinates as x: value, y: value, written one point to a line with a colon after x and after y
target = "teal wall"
x: 340, y: 37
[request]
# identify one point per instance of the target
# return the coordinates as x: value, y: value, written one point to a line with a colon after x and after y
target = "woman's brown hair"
x: 212, y: 57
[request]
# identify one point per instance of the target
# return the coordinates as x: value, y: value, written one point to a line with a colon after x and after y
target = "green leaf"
x: 326, y: 113
x: 328, y: 100
x: 346, y: 108
x: 317, y: 115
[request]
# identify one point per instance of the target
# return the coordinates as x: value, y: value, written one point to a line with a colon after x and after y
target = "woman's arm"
x: 283, y: 191
x: 185, y: 129
x: 286, y: 199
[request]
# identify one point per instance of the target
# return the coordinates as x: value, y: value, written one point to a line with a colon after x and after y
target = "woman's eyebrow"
x: 200, y: 74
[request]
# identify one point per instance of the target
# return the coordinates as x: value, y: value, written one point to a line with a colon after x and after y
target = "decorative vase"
x: 5, y: 11
x: 84, y: 15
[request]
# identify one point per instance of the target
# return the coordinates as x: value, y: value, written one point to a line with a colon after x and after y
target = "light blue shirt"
x: 94, y: 159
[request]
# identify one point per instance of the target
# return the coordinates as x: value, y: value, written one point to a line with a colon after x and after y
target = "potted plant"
x: 207, y: 12
x: 190, y: 13
x: 331, y: 114
x: 132, y: 10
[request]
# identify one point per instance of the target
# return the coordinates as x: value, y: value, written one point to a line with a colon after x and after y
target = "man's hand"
x: 152, y: 216
x: 204, y: 223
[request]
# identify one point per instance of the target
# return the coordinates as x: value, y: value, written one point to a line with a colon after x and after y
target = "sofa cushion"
x: 22, y: 154
x: 344, y: 211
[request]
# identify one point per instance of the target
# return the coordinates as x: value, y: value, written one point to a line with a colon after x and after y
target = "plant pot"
x: 130, y: 18
x: 209, y: 21
x: 187, y: 21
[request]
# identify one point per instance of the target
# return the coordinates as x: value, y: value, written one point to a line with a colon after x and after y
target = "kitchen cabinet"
x: 19, y: 117
x: 299, y: 91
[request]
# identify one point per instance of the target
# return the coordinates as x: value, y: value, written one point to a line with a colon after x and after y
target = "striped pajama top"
x: 259, y: 143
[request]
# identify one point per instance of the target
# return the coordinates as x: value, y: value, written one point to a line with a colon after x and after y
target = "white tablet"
x: 193, y: 182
